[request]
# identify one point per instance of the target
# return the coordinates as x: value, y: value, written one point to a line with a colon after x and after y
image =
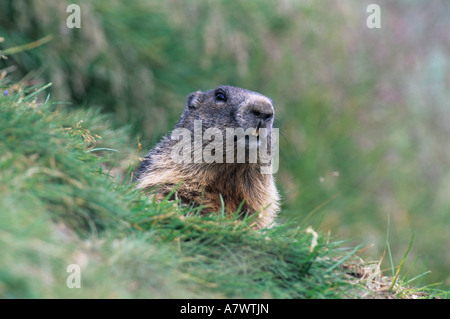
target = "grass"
x: 61, y: 205
x: 362, y: 112
x: 397, y: 286
x: 67, y: 198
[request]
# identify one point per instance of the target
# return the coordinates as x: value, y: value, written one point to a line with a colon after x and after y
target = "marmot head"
x: 228, y: 107
x: 218, y: 124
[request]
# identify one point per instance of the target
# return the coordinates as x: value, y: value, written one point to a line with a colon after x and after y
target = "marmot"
x: 239, y: 184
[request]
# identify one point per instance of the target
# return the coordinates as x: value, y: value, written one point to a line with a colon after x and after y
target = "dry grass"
x: 379, y: 286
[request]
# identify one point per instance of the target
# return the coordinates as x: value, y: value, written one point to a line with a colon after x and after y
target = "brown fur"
x: 204, y: 183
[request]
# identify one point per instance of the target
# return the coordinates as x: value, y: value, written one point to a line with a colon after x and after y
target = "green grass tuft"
x: 60, y: 205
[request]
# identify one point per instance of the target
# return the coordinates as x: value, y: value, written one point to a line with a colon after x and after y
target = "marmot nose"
x: 261, y: 109
x: 257, y: 111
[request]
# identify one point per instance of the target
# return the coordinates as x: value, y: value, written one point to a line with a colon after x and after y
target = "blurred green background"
x: 364, y: 113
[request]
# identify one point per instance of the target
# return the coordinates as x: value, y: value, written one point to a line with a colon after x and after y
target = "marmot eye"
x: 220, y: 96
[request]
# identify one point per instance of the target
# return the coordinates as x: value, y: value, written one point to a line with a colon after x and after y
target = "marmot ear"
x: 193, y: 100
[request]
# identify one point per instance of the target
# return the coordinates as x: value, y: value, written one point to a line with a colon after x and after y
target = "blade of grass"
x: 343, y: 259
x: 388, y: 247
x: 28, y: 46
x: 402, y: 261
x: 28, y: 97
x: 102, y: 149
x: 222, y: 210
x: 418, y: 277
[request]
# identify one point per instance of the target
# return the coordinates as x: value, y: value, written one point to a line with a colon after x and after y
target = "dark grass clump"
x: 232, y: 260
